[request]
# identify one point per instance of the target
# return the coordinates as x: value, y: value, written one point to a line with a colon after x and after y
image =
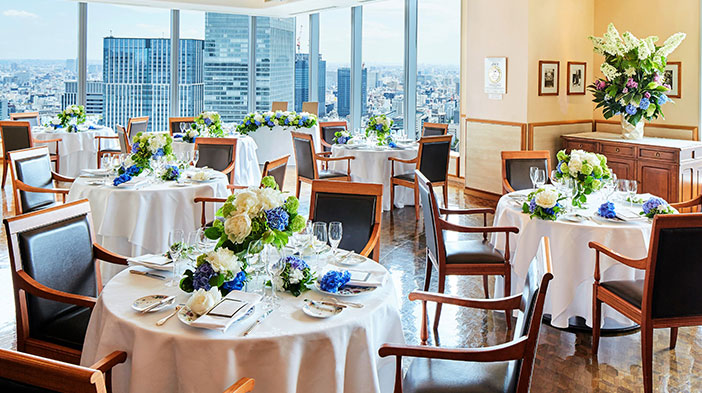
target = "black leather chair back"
x: 59, y: 256
x: 123, y: 139
x: 328, y: 133
x: 278, y: 174
x: 303, y: 158
x: 677, y: 275
x: 137, y: 127
x: 434, y: 160
x: 16, y: 137
x: 357, y: 216
x: 430, y: 232
x: 217, y: 157
x: 433, y: 131
x: 517, y: 171
x: 35, y: 172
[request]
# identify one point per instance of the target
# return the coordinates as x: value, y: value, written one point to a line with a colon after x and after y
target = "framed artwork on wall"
x: 548, y: 78
x: 577, y: 75
x: 672, y: 76
x: 496, y: 75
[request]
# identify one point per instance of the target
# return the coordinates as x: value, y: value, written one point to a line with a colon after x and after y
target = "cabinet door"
x: 580, y: 145
x: 623, y: 168
x: 659, y: 178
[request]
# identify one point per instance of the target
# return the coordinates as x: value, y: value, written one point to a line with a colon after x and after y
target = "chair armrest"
x: 46, y: 140
x: 35, y: 288
x: 324, y: 153
x: 505, y: 303
x: 506, y: 186
x: 59, y: 177
x: 106, y: 137
x: 697, y: 201
x: 635, y: 263
x: 25, y: 187
x: 108, y: 362
x: 467, y: 211
x: 235, y: 187
x: 325, y: 159
x: 108, y: 256
x: 210, y: 199
x: 325, y: 143
x: 372, y: 242
x: 512, y: 350
x: 445, y: 225
x: 406, y: 161
x: 244, y: 385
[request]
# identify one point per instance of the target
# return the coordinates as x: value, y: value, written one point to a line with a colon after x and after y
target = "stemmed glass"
x: 274, y: 265
x: 175, y: 249
x: 631, y: 192
x: 182, y: 128
x: 319, y: 232
x: 336, y: 231
x: 627, y: 188
x: 566, y: 187
x: 609, y: 186
x: 537, y: 176
x: 195, y: 156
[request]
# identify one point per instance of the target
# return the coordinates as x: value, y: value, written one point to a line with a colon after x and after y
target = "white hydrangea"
x: 258, y: 117
x: 609, y: 71
x: 295, y: 276
x: 270, y: 198
x: 224, y: 260
x: 631, y: 71
x: 630, y: 41
x: 547, y: 198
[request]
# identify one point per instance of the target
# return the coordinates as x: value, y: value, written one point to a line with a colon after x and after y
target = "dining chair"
x: 360, y: 216
x: 667, y: 297
x: 55, y: 278
x: 31, y: 117
x: 175, y: 122
x: 432, y: 160
x: 108, y: 151
x: 306, y: 162
x: 693, y: 205
x: 327, y: 132
x: 461, y: 257
x: 276, y: 168
x: 434, y: 129
x: 279, y: 106
x: 26, y: 373
x: 218, y: 154
x: 244, y: 385
x: 33, y: 180
x: 17, y: 135
x: 311, y: 107
x: 136, y: 125
x: 125, y: 145
x: 515, y: 168
x: 504, y: 367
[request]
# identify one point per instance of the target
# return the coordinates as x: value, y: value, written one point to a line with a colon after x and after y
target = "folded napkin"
x: 151, y: 261
x: 361, y: 278
x: 208, y: 321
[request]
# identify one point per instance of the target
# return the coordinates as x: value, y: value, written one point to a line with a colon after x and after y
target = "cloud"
x: 19, y: 14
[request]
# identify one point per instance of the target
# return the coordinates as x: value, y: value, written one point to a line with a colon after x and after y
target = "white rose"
x: 192, y: 133
x: 270, y: 198
x: 55, y: 121
x: 547, y: 198
x: 237, y: 227
x: 295, y: 276
x: 247, y: 202
x: 258, y: 117
x: 202, y: 301
x: 224, y: 260
x: 592, y: 159
x: 200, y: 176
x: 574, y: 165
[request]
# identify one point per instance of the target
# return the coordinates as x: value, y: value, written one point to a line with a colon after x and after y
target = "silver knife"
x: 258, y: 322
x: 147, y: 274
x: 151, y: 307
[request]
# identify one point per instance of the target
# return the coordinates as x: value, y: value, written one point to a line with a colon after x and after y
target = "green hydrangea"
x: 291, y: 205
x: 227, y: 209
x: 297, y: 223
x: 597, y: 171
x: 269, y: 182
x: 603, y: 160
x: 562, y: 156
x: 564, y: 168
x: 586, y: 169
x: 596, y: 184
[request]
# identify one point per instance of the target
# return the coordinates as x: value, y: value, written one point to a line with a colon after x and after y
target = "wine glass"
x: 539, y: 177
x: 336, y: 231
x: 566, y: 187
x: 194, y: 157
x: 182, y: 127
x: 175, y: 249
x: 631, y: 192
x: 554, y: 177
x: 532, y: 175
x: 106, y: 162
x: 319, y: 233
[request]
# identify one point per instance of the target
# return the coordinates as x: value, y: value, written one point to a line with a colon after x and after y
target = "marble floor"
x: 563, y: 363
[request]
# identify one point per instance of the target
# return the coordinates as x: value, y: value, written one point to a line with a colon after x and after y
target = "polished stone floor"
x: 563, y: 364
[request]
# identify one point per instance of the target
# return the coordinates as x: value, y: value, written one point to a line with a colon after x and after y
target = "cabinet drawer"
x: 657, y: 154
x: 622, y: 151
x: 580, y: 145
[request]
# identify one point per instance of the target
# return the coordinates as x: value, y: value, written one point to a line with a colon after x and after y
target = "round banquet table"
x: 136, y: 221
x: 570, y: 292
x: 77, y: 150
x: 288, y: 352
x: 246, y: 169
x: 372, y: 166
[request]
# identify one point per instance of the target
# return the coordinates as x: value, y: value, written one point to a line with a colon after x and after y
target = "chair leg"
x: 416, y: 201
x: 297, y: 189
x: 508, y: 292
x: 485, y: 286
x: 647, y: 356
x: 437, y: 315
x: 445, y: 187
x: 673, y: 337
x: 4, y: 172
x: 427, y: 275
x: 392, y: 196
x: 596, y: 316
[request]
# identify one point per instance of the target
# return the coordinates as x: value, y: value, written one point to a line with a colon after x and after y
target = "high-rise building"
x: 227, y: 58
x: 4, y: 108
x: 137, y: 76
x: 344, y: 88
x: 302, y: 82
x: 95, y: 99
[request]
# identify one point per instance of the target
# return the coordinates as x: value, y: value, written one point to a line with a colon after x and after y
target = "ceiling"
x: 274, y: 8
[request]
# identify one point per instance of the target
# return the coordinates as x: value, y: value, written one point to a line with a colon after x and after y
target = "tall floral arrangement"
x: 149, y: 145
x: 633, y: 85
x: 209, y: 124
x: 588, y: 170
x: 255, y: 120
x: 70, y: 117
x: 379, y: 126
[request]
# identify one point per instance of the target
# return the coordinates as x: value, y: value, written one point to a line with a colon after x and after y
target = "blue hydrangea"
x: 630, y: 109
x: 287, y: 121
x: 236, y: 284
x: 304, y: 118
x: 208, y: 121
x: 248, y: 122
x: 172, y: 173
x: 277, y: 218
x: 342, y: 140
x: 644, y: 104
x: 270, y: 123
x: 663, y: 99
x: 558, y: 168
x: 392, y: 144
x: 379, y: 127
x: 652, y: 204
x: 202, y: 276
x: 333, y: 280
x: 278, y: 114
x: 159, y: 152
x: 606, y: 210
x: 121, y: 179
x: 135, y: 147
x: 296, y: 262
x: 133, y: 170
x: 258, y: 123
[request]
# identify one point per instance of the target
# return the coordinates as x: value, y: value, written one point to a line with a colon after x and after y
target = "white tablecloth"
x: 78, y: 150
x: 288, y: 352
x: 276, y: 142
x: 246, y: 169
x: 373, y: 166
x: 570, y: 292
x: 133, y: 222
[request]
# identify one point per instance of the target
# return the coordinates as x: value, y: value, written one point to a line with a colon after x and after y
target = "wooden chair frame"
x: 21, y: 116
x: 279, y: 106
x: 18, y: 185
x: 329, y: 124
x: 318, y: 157
x: 23, y: 283
x: 273, y: 164
x: 417, y: 160
x: 173, y: 120
x: 435, y: 125
x: 522, y: 348
x: 641, y: 316
x: 371, y: 189
x: 59, y: 376
x: 522, y: 155
x: 32, y: 141
x: 694, y: 205
x: 244, y: 385
x: 229, y: 170
x: 311, y: 107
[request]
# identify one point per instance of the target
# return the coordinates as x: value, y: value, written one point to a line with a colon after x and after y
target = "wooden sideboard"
x: 669, y: 168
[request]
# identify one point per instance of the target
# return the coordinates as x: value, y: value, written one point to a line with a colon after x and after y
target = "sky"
x: 47, y: 29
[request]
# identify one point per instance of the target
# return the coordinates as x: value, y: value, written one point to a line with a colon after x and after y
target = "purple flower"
x: 663, y: 99
x: 625, y: 90
x: 333, y: 280
x: 342, y: 140
x: 379, y: 127
x: 647, y: 95
x: 652, y: 204
x: 630, y: 109
x: 296, y: 262
x: 277, y: 218
x: 208, y: 121
x: 202, y: 276
x: 657, y: 78
x: 532, y: 205
x: 606, y: 210
x: 600, y: 84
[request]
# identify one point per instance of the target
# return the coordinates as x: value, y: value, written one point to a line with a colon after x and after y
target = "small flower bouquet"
x: 190, y: 135
x: 655, y: 205
x: 171, y: 172
x: 71, y: 117
x: 293, y: 276
x: 544, y: 204
x: 127, y: 173
x: 587, y: 169
x: 333, y: 280
x: 220, y: 269
x: 606, y: 210
x: 342, y: 137
x: 253, y: 121
x: 148, y: 145
x: 209, y: 124
x: 380, y: 127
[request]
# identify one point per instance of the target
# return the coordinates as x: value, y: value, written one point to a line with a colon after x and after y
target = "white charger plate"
x: 318, y: 310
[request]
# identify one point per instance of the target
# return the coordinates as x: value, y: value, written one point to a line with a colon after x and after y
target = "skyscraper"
x: 302, y: 82
x: 94, y: 96
x: 136, y: 79
x: 344, y: 89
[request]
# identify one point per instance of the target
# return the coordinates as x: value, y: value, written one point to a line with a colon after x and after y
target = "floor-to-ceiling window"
x: 191, y: 80
x: 335, y: 49
x: 275, y: 62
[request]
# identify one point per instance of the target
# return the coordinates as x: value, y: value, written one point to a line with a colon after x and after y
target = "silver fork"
x: 344, y: 303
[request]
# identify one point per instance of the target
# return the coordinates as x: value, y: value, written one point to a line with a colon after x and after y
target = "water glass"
x: 532, y: 175
x: 194, y: 157
x: 106, y: 162
x: 538, y: 176
x: 176, y: 240
x: 632, y: 191
x: 319, y: 233
x: 335, y: 232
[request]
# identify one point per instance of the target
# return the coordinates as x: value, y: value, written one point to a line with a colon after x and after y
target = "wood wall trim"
x: 522, y: 126
x: 531, y: 126
x: 693, y: 130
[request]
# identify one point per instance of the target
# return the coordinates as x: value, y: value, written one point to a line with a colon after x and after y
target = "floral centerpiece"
x: 145, y: 146
x: 191, y: 134
x: 70, y: 118
x: 294, y: 276
x: 209, y: 124
x: 633, y: 86
x: 170, y: 172
x: 587, y: 169
x: 333, y: 280
x: 253, y: 121
x: 655, y: 205
x: 220, y: 269
x: 544, y: 204
x: 380, y: 127
x: 342, y: 137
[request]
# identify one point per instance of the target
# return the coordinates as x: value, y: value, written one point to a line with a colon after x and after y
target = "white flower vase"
x: 632, y: 132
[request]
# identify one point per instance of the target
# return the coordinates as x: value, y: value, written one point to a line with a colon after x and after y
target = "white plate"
x: 188, y: 317
x: 573, y: 217
x: 351, y: 260
x: 599, y: 218
x: 95, y: 182
x: 319, y: 310
x: 144, y: 302
x: 346, y: 290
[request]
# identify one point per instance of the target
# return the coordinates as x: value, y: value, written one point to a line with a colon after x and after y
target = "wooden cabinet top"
x: 679, y: 144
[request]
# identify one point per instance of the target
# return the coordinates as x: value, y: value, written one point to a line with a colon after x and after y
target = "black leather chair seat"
x: 67, y: 329
x: 406, y: 177
x: 472, y: 251
x: 7, y: 385
x: 449, y: 376
x: 331, y: 174
x: 629, y: 290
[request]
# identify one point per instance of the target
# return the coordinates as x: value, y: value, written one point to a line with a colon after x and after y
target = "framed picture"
x: 496, y: 75
x: 672, y: 76
x: 577, y: 75
x: 548, y: 78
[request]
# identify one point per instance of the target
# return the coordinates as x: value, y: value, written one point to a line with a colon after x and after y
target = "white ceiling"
x: 274, y: 8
